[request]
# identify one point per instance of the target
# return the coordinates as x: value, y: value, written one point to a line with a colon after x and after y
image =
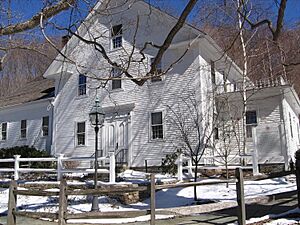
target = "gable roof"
x: 216, y: 52
x: 39, y: 88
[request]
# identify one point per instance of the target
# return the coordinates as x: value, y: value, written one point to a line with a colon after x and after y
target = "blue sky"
x: 26, y: 8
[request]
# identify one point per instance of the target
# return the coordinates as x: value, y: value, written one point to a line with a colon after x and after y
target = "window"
x: 81, y: 84
x: 4, y: 131
x: 216, y: 133
x: 249, y: 132
x: 156, y: 126
x: 213, y: 72
x: 116, y: 34
x: 23, y: 128
x: 116, y: 73
x: 45, y: 126
x: 251, y: 118
x: 155, y: 77
x: 80, y: 132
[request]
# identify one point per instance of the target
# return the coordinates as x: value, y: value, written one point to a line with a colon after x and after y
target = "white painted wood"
x: 112, y: 168
x: 255, y: 154
x: 179, y: 167
x: 17, y: 166
x: 32, y: 112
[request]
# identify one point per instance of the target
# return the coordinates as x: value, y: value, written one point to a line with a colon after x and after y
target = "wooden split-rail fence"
x: 62, y: 215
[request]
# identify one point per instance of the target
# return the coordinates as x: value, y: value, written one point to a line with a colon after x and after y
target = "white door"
x: 115, y: 138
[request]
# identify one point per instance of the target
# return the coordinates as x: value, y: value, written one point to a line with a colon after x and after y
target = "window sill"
x: 116, y: 90
x: 78, y: 97
x: 157, y: 140
x: 80, y: 146
x: 112, y: 50
x: 22, y: 139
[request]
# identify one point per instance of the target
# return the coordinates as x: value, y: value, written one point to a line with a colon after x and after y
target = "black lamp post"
x: 97, y: 119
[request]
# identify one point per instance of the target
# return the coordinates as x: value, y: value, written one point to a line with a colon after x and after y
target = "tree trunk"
x: 227, y: 173
x: 195, y: 180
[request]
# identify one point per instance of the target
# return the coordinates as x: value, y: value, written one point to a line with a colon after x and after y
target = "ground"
x: 165, y: 199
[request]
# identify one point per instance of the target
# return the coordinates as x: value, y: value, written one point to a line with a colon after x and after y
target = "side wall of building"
x: 33, y: 113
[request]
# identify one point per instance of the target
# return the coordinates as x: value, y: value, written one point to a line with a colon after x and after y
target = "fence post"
x: 255, y: 154
x: 60, y: 166
x: 17, y: 166
x: 240, y: 196
x: 190, y: 165
x: 179, y: 167
x: 12, y: 203
x: 112, y: 167
x: 152, y: 200
x: 63, y: 202
x: 297, y: 156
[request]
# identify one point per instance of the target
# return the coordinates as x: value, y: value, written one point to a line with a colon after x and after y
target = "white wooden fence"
x: 60, y: 170
x: 183, y: 159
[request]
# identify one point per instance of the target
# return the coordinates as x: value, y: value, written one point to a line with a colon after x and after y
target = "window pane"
x: 4, y: 131
x: 115, y: 84
x: 157, y: 132
x: 117, y: 42
x: 116, y: 30
x: 45, y: 126
x: 251, y: 117
x: 80, y: 127
x: 249, y: 131
x: 156, y: 118
x: 81, y: 139
x: 81, y: 85
x: 23, y: 124
x: 82, y: 79
x: 23, y: 128
x: 81, y: 133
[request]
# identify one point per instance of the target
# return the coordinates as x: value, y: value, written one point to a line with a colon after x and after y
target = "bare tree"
x: 193, y: 128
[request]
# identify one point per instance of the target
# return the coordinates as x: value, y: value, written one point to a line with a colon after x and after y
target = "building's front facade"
x: 137, y: 125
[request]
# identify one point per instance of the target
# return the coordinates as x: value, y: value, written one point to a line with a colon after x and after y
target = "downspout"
x: 286, y: 146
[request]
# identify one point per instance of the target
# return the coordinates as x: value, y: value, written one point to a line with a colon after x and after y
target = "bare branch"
x: 34, y: 21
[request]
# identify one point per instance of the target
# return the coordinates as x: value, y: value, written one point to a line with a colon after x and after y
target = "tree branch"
x: 35, y: 20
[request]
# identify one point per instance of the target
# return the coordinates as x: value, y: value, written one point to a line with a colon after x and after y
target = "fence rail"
x: 190, y: 167
x: 62, y: 215
x: 60, y: 169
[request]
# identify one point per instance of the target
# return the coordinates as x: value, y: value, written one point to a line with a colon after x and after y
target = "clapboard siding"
x: 33, y: 114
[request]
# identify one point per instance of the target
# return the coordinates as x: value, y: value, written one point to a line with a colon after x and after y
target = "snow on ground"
x: 164, y: 199
x: 276, y: 219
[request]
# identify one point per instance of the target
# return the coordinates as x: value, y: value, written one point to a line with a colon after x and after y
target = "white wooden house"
x: 272, y: 120
x: 136, y: 123
x: 26, y: 116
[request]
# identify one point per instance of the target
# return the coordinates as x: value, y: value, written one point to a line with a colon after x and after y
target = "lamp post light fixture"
x: 97, y: 119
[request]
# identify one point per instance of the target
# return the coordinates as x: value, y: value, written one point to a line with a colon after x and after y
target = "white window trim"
x: 85, y: 134
x: 163, y: 124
